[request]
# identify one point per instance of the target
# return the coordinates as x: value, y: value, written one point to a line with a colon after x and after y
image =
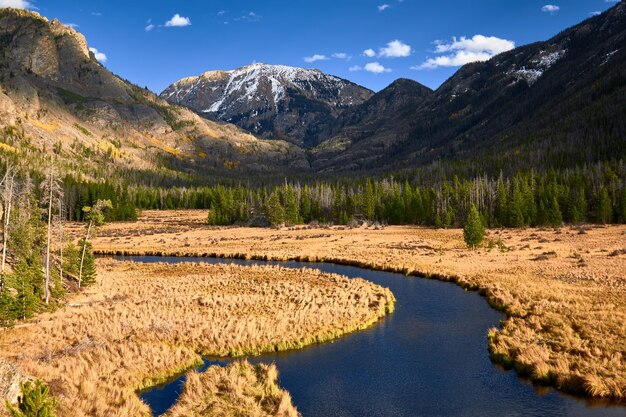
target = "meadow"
x: 563, y: 289
x: 140, y: 324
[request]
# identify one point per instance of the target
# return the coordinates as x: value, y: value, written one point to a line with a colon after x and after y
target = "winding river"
x: 429, y: 358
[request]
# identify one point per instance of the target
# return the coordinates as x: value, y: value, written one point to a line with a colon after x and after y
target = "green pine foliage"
x: 274, y: 210
x: 528, y: 198
x: 89, y: 264
x: 474, y: 229
x: 605, y: 209
x: 71, y: 259
x: 35, y: 401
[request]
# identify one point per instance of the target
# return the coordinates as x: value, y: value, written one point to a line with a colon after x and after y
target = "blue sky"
x: 421, y: 40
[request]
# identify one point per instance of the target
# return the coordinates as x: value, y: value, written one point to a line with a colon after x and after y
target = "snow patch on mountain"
x: 245, y: 85
x: 537, y: 66
x: 608, y: 56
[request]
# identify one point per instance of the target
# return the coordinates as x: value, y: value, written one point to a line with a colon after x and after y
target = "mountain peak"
x: 273, y: 101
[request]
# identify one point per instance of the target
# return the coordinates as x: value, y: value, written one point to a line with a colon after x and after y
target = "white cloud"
x: 100, y: 56
x: 178, y: 21
x: 596, y: 13
x: 16, y: 4
x: 466, y: 50
x: 383, y: 7
x: 249, y: 17
x: 369, y: 53
x: 149, y: 27
x: 341, y: 55
x: 395, y: 49
x: 550, y: 8
x: 612, y: 1
x: 71, y: 25
x: 96, y: 14
x: 221, y: 13
x: 375, y: 67
x: 316, y: 57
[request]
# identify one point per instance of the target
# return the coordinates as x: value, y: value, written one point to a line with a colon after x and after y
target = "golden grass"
x: 143, y: 323
x: 239, y: 389
x: 48, y: 127
x: 564, y: 290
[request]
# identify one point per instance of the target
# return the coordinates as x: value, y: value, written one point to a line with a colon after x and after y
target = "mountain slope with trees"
x: 557, y: 103
x: 56, y: 97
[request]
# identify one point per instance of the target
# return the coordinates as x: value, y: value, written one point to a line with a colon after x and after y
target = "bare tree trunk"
x: 61, y: 238
x: 46, y: 288
x: 82, y: 256
x: 8, y: 202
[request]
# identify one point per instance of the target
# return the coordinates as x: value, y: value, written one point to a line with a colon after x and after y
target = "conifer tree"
x: 305, y: 205
x: 369, y: 202
x: 35, y: 401
x: 580, y: 207
x: 291, y: 206
x: 474, y: 230
x: 89, y: 265
x: 621, y: 211
x: 555, y: 218
x: 605, y: 210
x: 274, y: 210
x: 71, y: 259
x: 501, y: 215
x: 94, y: 216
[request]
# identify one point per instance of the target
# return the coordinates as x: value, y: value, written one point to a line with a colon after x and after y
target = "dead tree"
x: 51, y: 191
x: 7, y: 200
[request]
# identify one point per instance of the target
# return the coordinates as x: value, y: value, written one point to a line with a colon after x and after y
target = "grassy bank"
x: 239, y: 389
x: 141, y: 324
x: 564, y: 290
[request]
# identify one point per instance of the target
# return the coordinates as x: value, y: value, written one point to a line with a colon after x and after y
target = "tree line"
x: 38, y: 262
x: 595, y: 193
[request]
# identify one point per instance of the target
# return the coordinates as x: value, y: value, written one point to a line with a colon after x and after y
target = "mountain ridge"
x: 271, y: 101
x: 488, y: 110
x: 55, y: 94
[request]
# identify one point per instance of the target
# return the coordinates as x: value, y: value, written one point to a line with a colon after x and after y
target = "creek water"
x: 429, y: 358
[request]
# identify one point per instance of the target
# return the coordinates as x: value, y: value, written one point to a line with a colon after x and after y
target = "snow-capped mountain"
x: 271, y: 101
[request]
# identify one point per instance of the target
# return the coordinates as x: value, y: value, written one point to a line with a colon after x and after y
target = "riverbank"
x: 238, y: 389
x: 564, y: 290
x: 142, y: 323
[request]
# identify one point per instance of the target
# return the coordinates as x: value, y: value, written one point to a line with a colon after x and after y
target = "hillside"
x: 54, y: 95
x: 556, y: 103
x: 271, y: 101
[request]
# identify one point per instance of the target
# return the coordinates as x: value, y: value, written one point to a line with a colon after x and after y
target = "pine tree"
x: 291, y: 206
x: 580, y: 207
x: 71, y: 259
x: 502, y: 214
x: 474, y: 230
x: 554, y: 213
x: 35, y: 401
x: 305, y: 205
x: 89, y: 265
x: 621, y: 213
x: 605, y: 210
x: 369, y: 203
x: 516, y: 214
x: 94, y: 216
x: 274, y: 210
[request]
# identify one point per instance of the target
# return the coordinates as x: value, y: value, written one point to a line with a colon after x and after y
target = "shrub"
x: 35, y: 401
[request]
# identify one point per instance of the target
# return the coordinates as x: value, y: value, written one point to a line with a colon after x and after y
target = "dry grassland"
x: 141, y: 323
x: 564, y: 290
x: 239, y: 389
